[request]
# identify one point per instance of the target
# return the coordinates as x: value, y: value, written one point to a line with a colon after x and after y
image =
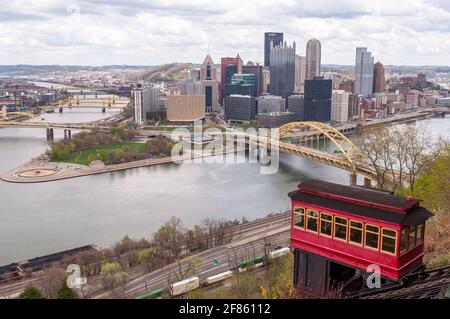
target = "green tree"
x: 114, y: 278
x: 147, y: 256
x: 31, y: 293
x: 66, y: 293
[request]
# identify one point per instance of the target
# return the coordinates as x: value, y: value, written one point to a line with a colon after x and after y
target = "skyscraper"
x: 300, y: 73
x: 210, y: 87
x: 146, y: 103
x: 379, y: 81
x: 313, y: 58
x: 242, y: 84
x: 318, y: 100
x: 282, y: 70
x: 364, y: 72
x: 227, y: 66
x: 271, y: 39
x: 257, y: 71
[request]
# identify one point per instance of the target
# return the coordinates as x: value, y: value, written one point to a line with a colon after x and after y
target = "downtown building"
x: 185, y: 108
x: 271, y: 39
x: 210, y: 86
x: 228, y: 67
x: 146, y: 102
x: 271, y: 104
x: 282, y: 70
x: 257, y: 71
x: 313, y: 58
x: 339, y: 106
x: 241, y: 84
x: 379, y: 79
x: 296, y: 105
x: 240, y: 108
x: 190, y: 87
x: 364, y: 72
x: 318, y: 100
x: 300, y: 74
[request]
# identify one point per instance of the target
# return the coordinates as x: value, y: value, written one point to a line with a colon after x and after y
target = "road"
x: 254, y: 244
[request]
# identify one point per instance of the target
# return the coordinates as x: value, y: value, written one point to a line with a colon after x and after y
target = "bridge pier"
x: 353, y: 179
x: 49, y: 134
x: 60, y: 110
x: 67, y: 134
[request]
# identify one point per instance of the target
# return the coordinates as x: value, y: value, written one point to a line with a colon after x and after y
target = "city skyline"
x: 140, y: 33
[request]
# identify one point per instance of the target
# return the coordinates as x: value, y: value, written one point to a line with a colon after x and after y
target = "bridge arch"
x: 349, y: 150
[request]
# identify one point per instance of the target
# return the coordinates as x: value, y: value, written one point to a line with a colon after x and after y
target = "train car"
x: 154, y: 294
x: 184, y: 286
x: 247, y: 264
x: 279, y: 252
x: 334, y: 225
x: 219, y: 277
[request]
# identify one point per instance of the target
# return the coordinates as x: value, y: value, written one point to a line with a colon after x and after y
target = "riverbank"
x: 38, y: 171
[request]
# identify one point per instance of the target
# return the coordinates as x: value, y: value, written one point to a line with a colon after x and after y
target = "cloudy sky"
x: 149, y: 32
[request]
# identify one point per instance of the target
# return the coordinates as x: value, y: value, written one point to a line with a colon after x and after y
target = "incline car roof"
x: 375, y: 198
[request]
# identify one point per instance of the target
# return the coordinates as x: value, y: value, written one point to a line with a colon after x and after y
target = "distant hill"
x: 166, y: 72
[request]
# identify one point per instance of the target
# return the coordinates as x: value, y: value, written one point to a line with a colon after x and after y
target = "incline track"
x: 426, y: 284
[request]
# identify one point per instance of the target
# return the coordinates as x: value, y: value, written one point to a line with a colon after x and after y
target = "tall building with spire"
x: 282, y: 70
x: 364, y: 72
x: 210, y: 86
x: 271, y: 39
x: 379, y: 80
x: 313, y: 58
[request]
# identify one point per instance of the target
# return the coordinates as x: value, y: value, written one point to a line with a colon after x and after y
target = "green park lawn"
x: 82, y: 156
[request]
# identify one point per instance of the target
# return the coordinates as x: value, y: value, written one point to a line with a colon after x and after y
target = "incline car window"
x: 326, y: 224
x: 389, y: 241
x: 340, y: 228
x: 299, y: 217
x: 404, y: 239
x: 311, y: 220
x: 372, y: 234
x: 419, y: 234
x: 356, y: 232
x: 412, y: 236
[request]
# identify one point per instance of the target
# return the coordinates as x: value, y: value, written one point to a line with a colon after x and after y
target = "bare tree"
x: 398, y: 155
x: 54, y: 278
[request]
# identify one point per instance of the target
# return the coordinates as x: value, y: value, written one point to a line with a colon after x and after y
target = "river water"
x: 38, y: 219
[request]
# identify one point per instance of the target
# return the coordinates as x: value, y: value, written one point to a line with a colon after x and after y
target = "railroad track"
x: 426, y: 284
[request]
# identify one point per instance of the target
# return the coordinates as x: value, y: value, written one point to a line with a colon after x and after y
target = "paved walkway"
x: 35, y: 171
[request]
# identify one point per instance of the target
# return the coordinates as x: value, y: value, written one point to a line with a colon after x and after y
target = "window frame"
x: 316, y: 218
x: 391, y: 237
x: 422, y: 234
x: 326, y: 221
x: 406, y: 229
x: 346, y: 229
x: 362, y: 233
x: 409, y: 237
x: 372, y: 232
x: 304, y: 218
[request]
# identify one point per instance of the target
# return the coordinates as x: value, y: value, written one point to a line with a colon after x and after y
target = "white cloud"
x: 154, y: 32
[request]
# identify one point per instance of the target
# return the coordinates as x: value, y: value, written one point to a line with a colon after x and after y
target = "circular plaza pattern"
x: 38, y: 172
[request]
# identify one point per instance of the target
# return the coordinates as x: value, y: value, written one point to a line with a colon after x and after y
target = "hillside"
x: 166, y: 72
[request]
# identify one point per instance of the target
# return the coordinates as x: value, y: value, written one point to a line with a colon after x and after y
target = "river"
x: 38, y: 219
